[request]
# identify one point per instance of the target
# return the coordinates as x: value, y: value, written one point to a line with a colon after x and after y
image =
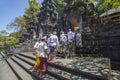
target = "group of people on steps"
x: 46, y: 49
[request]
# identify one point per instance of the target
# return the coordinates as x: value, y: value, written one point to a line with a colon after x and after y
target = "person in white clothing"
x: 53, y: 44
x: 37, y: 43
x: 43, y: 55
x: 70, y: 35
x: 63, y: 37
x: 63, y: 41
x: 36, y: 53
x: 78, y: 38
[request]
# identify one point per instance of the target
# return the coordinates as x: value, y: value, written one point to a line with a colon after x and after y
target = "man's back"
x: 63, y: 38
x: 53, y: 41
x: 70, y: 36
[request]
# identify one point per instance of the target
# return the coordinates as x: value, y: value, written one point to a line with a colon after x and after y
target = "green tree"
x: 32, y: 10
x: 59, y: 5
x: 12, y: 41
x: 19, y: 24
x: 3, y: 33
x: 33, y: 7
x: 104, y: 5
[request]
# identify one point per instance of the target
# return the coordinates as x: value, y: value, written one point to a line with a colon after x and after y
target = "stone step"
x: 5, y: 71
x: 88, y: 65
x: 1, y: 56
x: 27, y: 59
x: 23, y: 74
x: 46, y: 76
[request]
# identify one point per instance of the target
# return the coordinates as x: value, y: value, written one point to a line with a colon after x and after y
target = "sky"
x: 9, y: 9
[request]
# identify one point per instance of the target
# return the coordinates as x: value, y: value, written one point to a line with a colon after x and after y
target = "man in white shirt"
x: 63, y: 41
x: 63, y: 37
x: 53, y: 44
x: 70, y: 35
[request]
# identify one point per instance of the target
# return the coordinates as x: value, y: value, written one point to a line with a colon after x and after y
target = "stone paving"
x: 115, y: 75
x: 97, y: 66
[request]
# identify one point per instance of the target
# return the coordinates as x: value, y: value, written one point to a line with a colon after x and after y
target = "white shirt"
x: 63, y: 38
x: 78, y: 39
x: 53, y: 41
x: 42, y: 46
x: 40, y: 35
x: 36, y: 44
x: 70, y: 36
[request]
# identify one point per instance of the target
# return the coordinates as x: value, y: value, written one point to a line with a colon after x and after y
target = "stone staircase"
x: 18, y: 66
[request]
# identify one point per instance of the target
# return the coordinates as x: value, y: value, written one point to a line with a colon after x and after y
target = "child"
x: 36, y: 53
x: 37, y: 62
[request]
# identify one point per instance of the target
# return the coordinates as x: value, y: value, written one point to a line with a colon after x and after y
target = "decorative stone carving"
x: 48, y: 16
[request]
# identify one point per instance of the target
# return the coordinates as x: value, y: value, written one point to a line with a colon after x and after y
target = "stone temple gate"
x: 76, y: 14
